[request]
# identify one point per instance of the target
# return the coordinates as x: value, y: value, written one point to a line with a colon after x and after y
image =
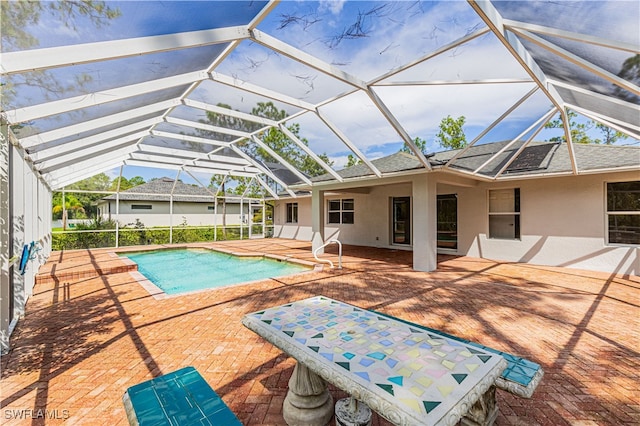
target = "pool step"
x: 115, y: 265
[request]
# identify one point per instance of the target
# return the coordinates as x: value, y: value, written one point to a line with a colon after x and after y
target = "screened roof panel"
x: 68, y: 82
x: 243, y: 97
x: 565, y: 71
x: 132, y: 19
x: 197, y: 80
x: 368, y: 39
x: 621, y: 112
x: 614, y: 20
x: 261, y: 66
x: 452, y: 65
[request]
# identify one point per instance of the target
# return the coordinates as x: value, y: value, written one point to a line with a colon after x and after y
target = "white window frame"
x: 608, y: 213
x: 291, y: 218
x: 517, y: 207
x: 341, y: 211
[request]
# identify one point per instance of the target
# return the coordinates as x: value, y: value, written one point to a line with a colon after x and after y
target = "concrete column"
x: 317, y: 219
x: 424, y: 197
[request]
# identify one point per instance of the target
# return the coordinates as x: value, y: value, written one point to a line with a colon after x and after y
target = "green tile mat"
x: 179, y: 398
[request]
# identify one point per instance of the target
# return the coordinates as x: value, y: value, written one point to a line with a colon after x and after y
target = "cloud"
x: 333, y: 6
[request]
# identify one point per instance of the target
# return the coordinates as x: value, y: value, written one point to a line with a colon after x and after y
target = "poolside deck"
x: 87, y: 337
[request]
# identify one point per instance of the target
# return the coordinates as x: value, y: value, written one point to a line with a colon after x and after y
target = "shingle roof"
x: 400, y: 161
x: 156, y: 189
x: 542, y: 157
x: 536, y: 158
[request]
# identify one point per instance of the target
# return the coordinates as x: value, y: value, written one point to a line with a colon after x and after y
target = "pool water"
x: 184, y: 270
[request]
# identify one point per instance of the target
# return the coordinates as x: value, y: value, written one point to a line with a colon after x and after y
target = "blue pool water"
x: 183, y: 270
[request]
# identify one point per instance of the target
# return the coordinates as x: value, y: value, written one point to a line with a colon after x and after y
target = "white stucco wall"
x: 195, y: 214
x: 371, y: 225
x: 563, y: 221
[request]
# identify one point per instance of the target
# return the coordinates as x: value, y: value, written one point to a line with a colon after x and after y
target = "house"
x: 484, y: 204
x: 153, y: 203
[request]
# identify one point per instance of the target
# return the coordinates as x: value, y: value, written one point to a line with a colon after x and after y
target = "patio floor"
x: 85, y: 339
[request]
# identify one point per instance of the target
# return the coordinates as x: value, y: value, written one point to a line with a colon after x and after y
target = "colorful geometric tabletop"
x: 404, y: 373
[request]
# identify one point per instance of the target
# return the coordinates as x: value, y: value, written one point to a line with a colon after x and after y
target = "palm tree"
x: 71, y: 204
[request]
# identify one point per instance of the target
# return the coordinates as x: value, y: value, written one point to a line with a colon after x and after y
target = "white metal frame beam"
x: 540, y: 120
x: 192, y: 162
x: 47, y: 109
x: 264, y: 170
x: 207, y: 127
x: 267, y: 187
x: 229, y: 112
x: 576, y: 60
x: 398, y: 128
x: 89, y: 125
x: 309, y: 152
x: 102, y: 139
x: 492, y: 125
x: 260, y: 91
x: 69, y: 157
x: 569, y: 35
x: 540, y: 123
x: 488, y: 13
x: 150, y: 149
x: 61, y: 56
x: 69, y: 162
x: 188, y: 138
x: 303, y: 57
x: 345, y: 140
x: 62, y: 178
x: 281, y: 160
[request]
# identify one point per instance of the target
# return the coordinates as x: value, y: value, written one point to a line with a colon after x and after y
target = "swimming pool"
x: 177, y: 271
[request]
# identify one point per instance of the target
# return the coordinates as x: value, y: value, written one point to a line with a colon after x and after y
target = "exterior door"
x: 448, y: 221
x: 401, y: 224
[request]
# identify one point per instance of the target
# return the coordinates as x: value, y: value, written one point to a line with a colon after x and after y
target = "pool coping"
x: 159, y: 294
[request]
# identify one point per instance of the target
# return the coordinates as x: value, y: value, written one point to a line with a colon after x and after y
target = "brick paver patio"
x: 85, y: 339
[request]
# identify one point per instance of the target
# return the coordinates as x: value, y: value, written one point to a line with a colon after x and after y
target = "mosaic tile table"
x: 407, y: 375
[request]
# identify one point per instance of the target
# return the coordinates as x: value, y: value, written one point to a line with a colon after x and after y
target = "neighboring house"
x: 152, y: 204
x: 536, y: 212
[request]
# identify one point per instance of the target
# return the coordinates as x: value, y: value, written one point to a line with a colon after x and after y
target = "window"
x: 341, y: 211
x: 141, y: 207
x: 623, y: 212
x: 211, y: 208
x: 292, y: 212
x: 504, y: 214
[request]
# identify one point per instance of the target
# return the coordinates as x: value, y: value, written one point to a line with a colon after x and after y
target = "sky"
x: 364, y: 39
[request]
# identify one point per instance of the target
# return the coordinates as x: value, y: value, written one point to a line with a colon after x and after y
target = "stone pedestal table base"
x: 308, y: 401
x: 484, y: 411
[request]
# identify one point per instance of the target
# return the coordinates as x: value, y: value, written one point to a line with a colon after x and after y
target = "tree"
x: 126, y: 183
x: 631, y: 72
x: 580, y: 130
x: 610, y: 135
x: 272, y: 137
x: 451, y: 134
x: 99, y: 182
x: 352, y: 160
x: 421, y: 144
x: 18, y: 16
x: 72, y: 208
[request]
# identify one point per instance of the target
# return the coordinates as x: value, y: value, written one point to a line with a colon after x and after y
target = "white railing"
x: 315, y: 253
